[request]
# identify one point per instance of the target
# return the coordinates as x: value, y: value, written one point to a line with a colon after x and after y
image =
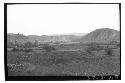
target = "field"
x: 65, y: 60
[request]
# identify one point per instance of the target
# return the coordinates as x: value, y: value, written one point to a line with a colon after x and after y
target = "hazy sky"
x: 47, y: 19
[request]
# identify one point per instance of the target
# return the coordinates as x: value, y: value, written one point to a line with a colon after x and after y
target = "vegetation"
x: 48, y: 48
x: 109, y: 51
x: 30, y: 58
x: 22, y: 49
x: 93, y: 47
x: 28, y: 45
x: 59, y: 62
x: 118, y: 45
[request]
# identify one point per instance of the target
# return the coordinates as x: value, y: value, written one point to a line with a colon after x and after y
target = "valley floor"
x: 63, y: 63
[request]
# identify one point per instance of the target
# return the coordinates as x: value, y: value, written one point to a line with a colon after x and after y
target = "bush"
x: 88, y: 50
x: 28, y: 50
x: 48, y: 48
x: 28, y: 44
x: 93, y: 47
x: 118, y: 45
x: 109, y: 51
x: 23, y: 50
x: 15, y: 49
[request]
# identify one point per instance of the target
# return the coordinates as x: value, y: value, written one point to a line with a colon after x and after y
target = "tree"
x: 16, y: 43
x: 93, y: 47
x: 10, y: 44
x: 28, y: 44
x: 109, y: 51
x: 48, y: 48
x: 36, y: 43
x: 118, y: 45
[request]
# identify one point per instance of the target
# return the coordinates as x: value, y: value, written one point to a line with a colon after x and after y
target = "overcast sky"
x: 48, y: 19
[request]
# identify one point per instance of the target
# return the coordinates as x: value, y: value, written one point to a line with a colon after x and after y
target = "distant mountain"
x: 103, y: 35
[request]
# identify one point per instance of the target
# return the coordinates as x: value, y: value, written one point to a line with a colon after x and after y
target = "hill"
x: 20, y: 38
x: 103, y: 35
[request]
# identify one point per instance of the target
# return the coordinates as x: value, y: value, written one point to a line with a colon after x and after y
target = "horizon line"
x: 75, y: 34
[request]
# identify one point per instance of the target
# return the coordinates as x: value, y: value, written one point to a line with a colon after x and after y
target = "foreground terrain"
x: 65, y: 60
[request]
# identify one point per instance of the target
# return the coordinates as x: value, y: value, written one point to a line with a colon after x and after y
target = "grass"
x: 65, y: 63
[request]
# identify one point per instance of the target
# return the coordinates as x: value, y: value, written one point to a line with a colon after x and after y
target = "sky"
x: 49, y: 19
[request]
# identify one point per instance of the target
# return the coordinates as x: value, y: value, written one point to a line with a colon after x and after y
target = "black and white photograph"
x: 62, y: 41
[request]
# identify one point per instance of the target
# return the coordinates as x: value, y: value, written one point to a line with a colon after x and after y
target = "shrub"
x: 23, y: 50
x: 88, y: 50
x: 53, y: 58
x: 93, y: 47
x: 118, y: 45
x: 109, y: 51
x: 28, y: 50
x: 48, y: 48
x: 36, y: 43
x: 15, y: 49
x: 28, y: 44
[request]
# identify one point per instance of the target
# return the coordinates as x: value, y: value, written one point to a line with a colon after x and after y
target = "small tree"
x: 27, y: 50
x: 16, y: 43
x: 48, y: 48
x: 10, y: 44
x: 28, y: 44
x: 118, y: 45
x: 109, y: 51
x: 93, y: 47
x: 36, y: 43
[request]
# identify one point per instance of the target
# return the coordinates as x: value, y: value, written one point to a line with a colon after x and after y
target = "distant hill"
x: 103, y: 35
x: 20, y: 38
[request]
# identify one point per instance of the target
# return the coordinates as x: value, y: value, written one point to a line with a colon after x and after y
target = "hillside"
x: 103, y: 35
